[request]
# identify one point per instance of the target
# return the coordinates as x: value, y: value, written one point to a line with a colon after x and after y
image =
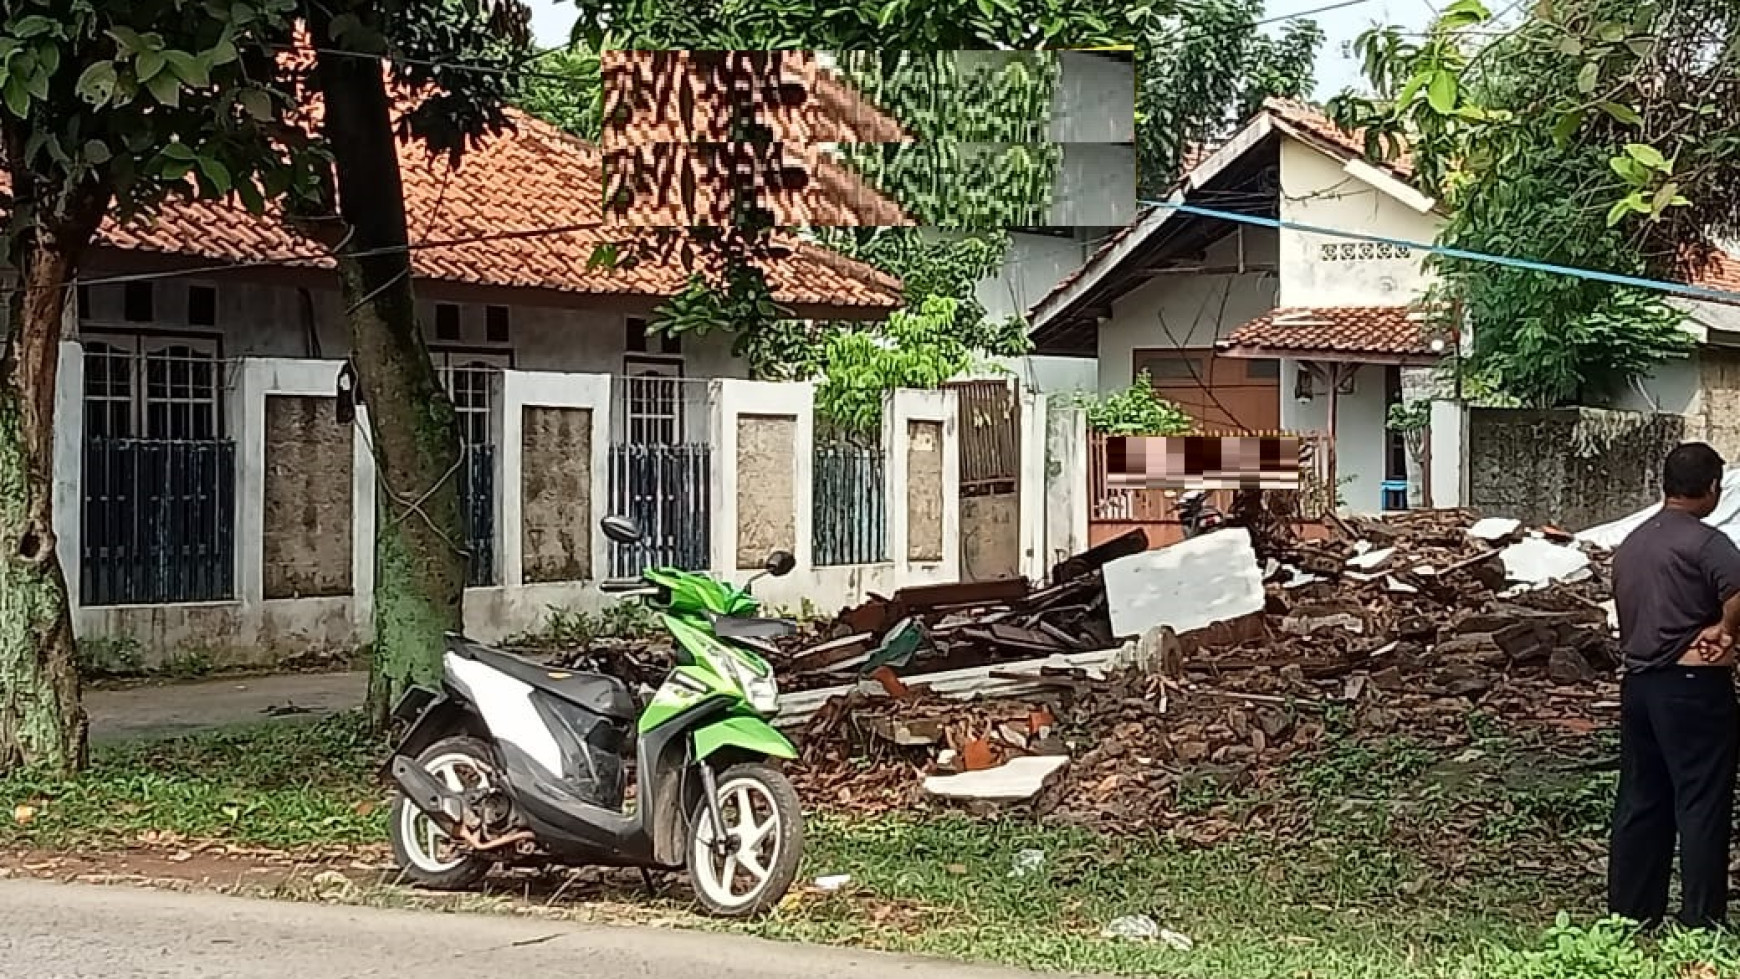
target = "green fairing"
x: 745, y: 731
x: 675, y: 699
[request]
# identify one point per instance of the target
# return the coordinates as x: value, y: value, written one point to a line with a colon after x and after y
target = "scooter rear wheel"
x: 764, y: 822
x: 427, y: 857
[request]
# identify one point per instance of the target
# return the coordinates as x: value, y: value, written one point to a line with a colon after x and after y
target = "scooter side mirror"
x: 621, y: 529
x: 780, y: 563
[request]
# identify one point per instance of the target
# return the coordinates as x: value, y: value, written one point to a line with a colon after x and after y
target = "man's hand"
x: 1715, y: 645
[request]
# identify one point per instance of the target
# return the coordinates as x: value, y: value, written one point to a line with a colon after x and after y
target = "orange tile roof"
x: 642, y: 103
x: 808, y: 188
x: 1382, y: 330
x: 1720, y: 271
x: 524, y: 209
x: 1320, y: 128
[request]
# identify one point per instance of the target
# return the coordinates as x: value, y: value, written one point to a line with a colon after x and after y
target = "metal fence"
x: 477, y: 509
x: 665, y: 489
x: 850, y: 505
x: 157, y: 522
x: 990, y: 418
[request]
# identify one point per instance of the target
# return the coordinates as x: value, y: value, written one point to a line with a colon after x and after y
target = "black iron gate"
x: 157, y: 522
x: 477, y: 509
x: 664, y: 488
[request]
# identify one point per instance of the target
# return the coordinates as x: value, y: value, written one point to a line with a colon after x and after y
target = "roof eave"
x: 1384, y: 357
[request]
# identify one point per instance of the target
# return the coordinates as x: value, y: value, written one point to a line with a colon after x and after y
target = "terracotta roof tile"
x: 811, y: 189
x: 536, y: 194
x: 1721, y: 271
x: 1315, y: 124
x: 1387, y: 330
x: 642, y: 104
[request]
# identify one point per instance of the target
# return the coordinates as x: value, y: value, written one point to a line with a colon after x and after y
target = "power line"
x: 1530, y: 265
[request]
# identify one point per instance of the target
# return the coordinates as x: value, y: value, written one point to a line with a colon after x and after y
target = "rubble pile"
x: 1404, y: 624
x: 938, y: 628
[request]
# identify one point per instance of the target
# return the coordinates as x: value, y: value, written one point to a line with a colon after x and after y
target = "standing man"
x: 1676, y: 582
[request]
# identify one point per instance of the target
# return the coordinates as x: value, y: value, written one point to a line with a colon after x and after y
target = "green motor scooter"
x: 512, y: 762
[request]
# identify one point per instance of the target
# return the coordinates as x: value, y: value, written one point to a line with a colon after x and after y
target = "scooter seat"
x: 595, y: 692
x: 727, y: 627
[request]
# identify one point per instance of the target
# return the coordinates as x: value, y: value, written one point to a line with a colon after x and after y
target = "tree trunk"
x: 419, y: 542
x: 41, y: 719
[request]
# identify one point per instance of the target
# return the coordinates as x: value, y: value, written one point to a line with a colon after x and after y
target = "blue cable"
x: 1658, y: 285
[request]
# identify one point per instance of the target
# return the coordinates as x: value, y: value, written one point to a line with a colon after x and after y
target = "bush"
x: 1612, y: 948
x: 1136, y: 410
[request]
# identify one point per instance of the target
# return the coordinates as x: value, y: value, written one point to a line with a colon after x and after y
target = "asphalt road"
x: 69, y: 931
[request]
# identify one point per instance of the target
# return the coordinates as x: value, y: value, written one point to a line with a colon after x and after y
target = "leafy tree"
x: 1517, y: 136
x: 917, y: 348
x: 105, y: 107
x: 563, y: 89
x: 435, y: 49
x: 1136, y: 410
x: 1202, y: 67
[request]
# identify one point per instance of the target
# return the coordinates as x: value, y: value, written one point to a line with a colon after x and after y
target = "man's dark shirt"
x: 1670, y: 578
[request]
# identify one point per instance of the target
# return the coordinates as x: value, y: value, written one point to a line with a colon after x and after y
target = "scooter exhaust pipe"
x: 426, y: 792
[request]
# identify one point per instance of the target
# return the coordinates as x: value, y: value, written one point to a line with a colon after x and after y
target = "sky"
x: 1336, y: 68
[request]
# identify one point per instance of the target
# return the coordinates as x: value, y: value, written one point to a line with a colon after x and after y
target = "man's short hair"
x: 1690, y: 470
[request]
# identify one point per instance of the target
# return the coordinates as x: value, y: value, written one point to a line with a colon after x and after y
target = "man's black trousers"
x: 1679, y: 734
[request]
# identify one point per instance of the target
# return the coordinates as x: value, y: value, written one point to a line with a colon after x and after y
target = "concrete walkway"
x: 167, y: 710
x: 60, y: 930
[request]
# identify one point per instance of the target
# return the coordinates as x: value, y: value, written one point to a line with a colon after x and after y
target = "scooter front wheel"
x: 747, y: 869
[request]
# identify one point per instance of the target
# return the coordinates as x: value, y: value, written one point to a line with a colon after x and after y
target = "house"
x: 1253, y: 328
x: 208, y: 497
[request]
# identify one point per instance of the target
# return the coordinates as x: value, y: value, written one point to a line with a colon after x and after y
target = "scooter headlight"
x: 761, y: 691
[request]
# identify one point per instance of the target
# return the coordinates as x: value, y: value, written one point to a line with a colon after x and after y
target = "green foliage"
x: 862, y: 25
x: 569, y: 629
x: 1495, y: 136
x: 1204, y: 66
x: 980, y: 122
x: 931, y: 265
x: 140, y: 101
x: 1608, y: 949
x: 563, y: 88
x: 1136, y: 410
x: 1409, y: 416
x: 915, y: 349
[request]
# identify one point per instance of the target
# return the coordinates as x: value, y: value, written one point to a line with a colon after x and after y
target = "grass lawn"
x: 1371, y: 859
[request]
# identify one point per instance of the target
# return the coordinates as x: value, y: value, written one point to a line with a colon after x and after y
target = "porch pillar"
x: 69, y: 440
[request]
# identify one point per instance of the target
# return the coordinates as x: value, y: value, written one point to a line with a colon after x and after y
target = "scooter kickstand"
x: 646, y: 878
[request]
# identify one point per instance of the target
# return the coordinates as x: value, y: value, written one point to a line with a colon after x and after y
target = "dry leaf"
x: 23, y: 813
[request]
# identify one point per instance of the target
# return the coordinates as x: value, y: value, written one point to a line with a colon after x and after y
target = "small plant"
x: 566, y: 628
x: 110, y: 656
x: 1137, y: 410
x: 1611, y: 948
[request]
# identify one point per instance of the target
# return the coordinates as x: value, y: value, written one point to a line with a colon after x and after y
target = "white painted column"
x: 1448, y: 432
x: 1066, y: 483
x: 727, y: 400
x: 903, y: 408
x: 547, y: 389
x: 69, y: 462
x: 1031, y: 491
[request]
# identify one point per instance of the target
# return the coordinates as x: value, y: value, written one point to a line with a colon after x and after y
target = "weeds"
x: 577, y: 628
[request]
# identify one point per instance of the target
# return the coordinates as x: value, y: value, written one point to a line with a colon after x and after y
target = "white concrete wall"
x: 1095, y: 186
x: 1674, y: 386
x: 1317, y: 189
x: 1035, y: 263
x: 269, y: 319
x: 1360, y: 427
x: 1449, y: 435
x: 1186, y: 310
x: 250, y: 630
x: 1066, y: 482
x: 1095, y: 100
